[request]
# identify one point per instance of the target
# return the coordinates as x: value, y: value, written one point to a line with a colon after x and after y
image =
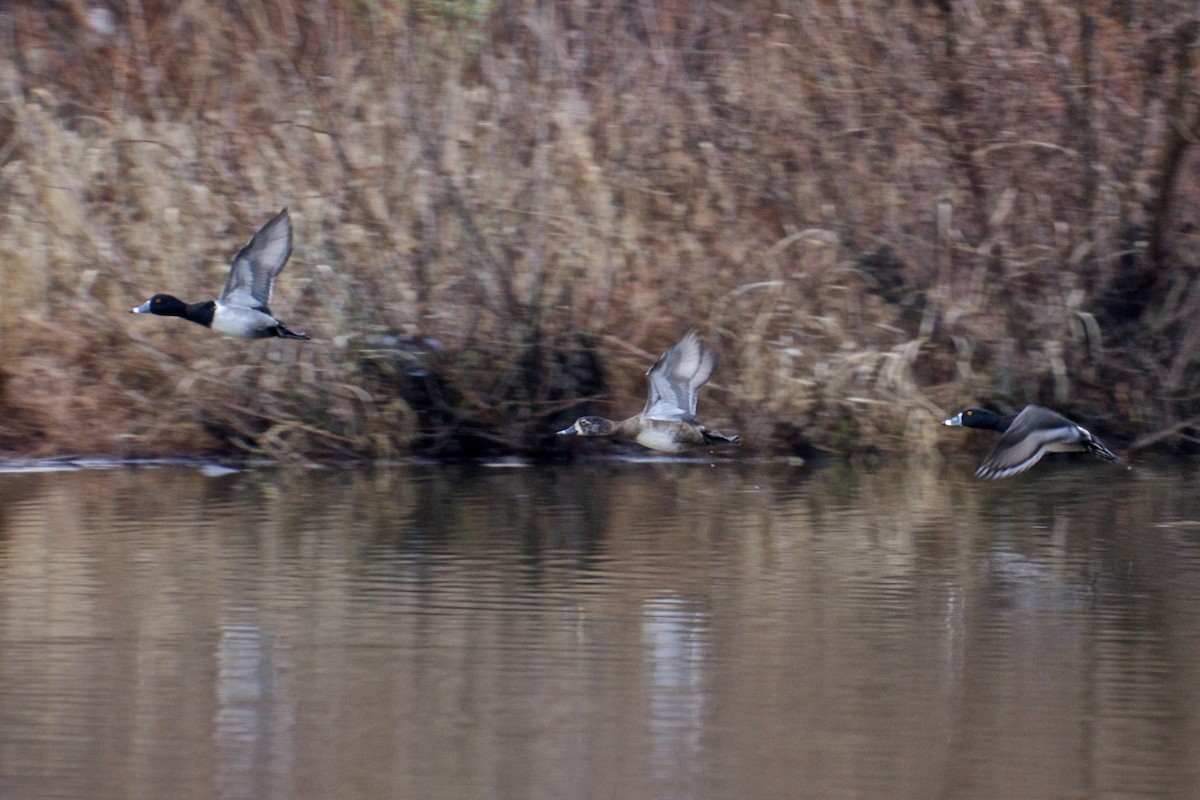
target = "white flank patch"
x: 659, y: 440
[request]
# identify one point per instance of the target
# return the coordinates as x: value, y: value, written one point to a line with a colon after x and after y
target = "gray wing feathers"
x: 1035, y: 416
x: 1017, y: 451
x: 677, y: 376
x: 252, y: 273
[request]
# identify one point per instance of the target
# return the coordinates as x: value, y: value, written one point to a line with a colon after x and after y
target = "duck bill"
x: 144, y: 308
x: 955, y: 420
x: 568, y: 431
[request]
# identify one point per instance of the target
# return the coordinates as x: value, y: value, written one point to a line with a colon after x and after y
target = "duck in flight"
x: 1026, y: 437
x: 668, y: 422
x: 243, y: 307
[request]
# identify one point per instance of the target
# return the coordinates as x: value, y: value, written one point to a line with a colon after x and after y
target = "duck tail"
x: 1097, y: 448
x: 712, y: 437
x: 284, y: 333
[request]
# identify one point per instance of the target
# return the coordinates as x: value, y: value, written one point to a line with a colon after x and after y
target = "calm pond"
x: 616, y: 629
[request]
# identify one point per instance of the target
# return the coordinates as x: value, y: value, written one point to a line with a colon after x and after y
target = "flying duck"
x: 242, y: 309
x: 668, y: 422
x: 1026, y: 437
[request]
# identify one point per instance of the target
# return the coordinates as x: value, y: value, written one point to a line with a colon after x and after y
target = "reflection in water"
x: 617, y: 630
x: 242, y: 735
x: 674, y: 643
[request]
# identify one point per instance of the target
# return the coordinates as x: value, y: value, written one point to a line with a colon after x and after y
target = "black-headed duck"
x: 668, y: 422
x: 242, y: 309
x: 1026, y: 437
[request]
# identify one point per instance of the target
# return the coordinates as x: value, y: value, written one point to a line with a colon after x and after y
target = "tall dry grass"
x: 879, y: 211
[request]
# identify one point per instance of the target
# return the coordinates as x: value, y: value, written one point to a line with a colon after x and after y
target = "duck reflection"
x: 674, y: 632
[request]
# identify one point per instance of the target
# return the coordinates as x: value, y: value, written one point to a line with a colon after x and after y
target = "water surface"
x: 604, y: 630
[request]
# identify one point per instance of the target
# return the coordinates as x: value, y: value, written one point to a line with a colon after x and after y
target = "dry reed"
x: 504, y: 211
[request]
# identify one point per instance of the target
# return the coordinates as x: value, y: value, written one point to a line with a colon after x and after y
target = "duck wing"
x: 1033, y: 433
x: 253, y: 270
x: 676, y: 376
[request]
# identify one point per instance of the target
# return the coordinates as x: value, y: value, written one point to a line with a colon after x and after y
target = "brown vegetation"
x: 879, y: 211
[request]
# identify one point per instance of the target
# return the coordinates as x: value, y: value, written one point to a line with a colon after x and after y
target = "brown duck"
x: 668, y: 422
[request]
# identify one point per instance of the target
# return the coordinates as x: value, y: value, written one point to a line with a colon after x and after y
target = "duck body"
x: 666, y: 435
x: 241, y: 323
x: 1026, y: 437
x: 242, y: 309
x: 668, y: 422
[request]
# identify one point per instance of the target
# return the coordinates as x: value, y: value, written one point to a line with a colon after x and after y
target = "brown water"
x: 615, y: 630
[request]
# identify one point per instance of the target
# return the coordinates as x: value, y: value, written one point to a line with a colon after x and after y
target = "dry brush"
x: 879, y: 211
